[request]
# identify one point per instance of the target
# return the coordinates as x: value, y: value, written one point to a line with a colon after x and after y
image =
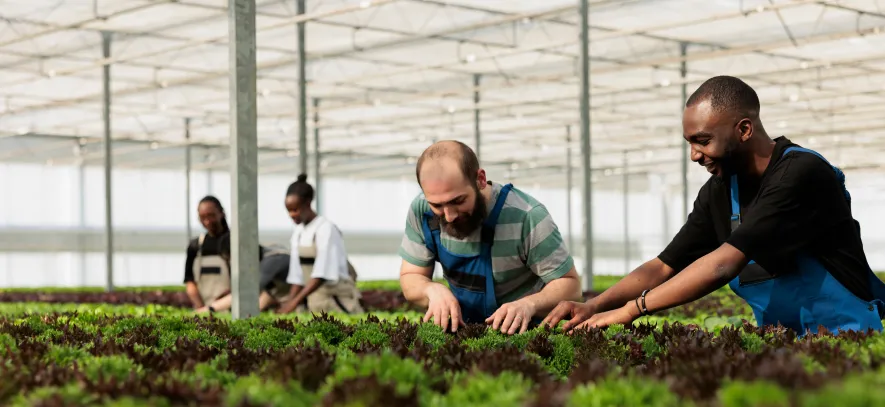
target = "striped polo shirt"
x: 528, y: 251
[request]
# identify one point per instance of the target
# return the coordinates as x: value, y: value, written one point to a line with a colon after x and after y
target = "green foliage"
x: 752, y: 342
x: 563, y: 355
x: 257, y: 391
x: 118, y: 367
x: 628, y: 391
x: 405, y: 374
x: 133, y: 356
x: 431, y: 335
x: 269, y: 338
x: 743, y: 394
x: 479, y: 389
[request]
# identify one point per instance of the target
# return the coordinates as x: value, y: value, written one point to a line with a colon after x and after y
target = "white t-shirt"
x: 331, y: 260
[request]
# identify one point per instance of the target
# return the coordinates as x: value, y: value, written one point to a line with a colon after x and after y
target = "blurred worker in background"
x: 320, y: 273
x: 206, y: 274
x: 499, y: 248
x: 273, y: 268
x: 773, y: 222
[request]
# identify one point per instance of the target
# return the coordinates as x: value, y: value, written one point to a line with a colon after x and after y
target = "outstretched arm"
x: 702, y: 277
x: 645, y: 277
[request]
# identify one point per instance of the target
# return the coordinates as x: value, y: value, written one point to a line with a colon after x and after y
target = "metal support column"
x: 317, y: 156
x: 243, y: 159
x: 187, y: 177
x: 209, y: 183
x: 81, y: 196
x: 476, y: 132
x: 302, y: 92
x: 626, y: 179
x: 568, y: 186
x: 683, y: 48
x: 585, y: 145
x: 106, y: 114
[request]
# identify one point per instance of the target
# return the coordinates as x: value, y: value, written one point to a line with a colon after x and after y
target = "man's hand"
x: 577, y: 312
x: 513, y: 316
x: 442, y: 305
x: 202, y: 310
x: 624, y: 315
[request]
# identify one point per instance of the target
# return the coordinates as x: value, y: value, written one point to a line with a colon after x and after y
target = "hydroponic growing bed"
x: 700, y: 354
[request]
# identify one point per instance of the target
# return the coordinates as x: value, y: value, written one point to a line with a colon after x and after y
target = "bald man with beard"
x: 500, y: 250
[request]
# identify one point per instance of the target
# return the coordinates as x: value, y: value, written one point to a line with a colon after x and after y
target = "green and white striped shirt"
x: 528, y: 251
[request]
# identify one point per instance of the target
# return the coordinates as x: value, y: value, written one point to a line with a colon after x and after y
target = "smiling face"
x: 210, y: 218
x: 716, y: 138
x: 297, y: 209
x: 456, y: 199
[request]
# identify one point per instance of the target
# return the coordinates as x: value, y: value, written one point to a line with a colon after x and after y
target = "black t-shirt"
x: 797, y: 206
x: 212, y: 245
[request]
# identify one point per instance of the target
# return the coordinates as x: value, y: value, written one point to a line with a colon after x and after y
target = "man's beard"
x: 466, y: 224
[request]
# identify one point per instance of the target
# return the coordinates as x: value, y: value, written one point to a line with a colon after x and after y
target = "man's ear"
x: 481, y: 181
x: 745, y: 129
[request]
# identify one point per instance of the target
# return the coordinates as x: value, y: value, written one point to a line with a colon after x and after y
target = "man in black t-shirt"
x: 773, y: 222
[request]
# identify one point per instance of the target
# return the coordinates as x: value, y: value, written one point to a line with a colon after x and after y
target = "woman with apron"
x: 273, y: 268
x: 206, y: 274
x: 320, y: 273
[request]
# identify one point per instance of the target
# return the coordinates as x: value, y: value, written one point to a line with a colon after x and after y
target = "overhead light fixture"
x: 649, y: 154
x: 794, y: 97
x: 665, y: 82
x: 514, y: 166
x: 376, y: 102
x: 803, y: 65
x: 50, y: 73
x: 470, y: 58
x: 451, y: 109
x: 365, y: 3
x: 164, y: 84
x: 154, y: 145
x: 782, y: 124
x: 760, y: 9
x: 265, y: 92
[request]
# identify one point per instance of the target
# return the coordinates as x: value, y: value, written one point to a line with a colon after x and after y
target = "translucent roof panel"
x: 391, y: 76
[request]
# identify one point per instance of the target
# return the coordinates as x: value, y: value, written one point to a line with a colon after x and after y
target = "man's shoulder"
x: 803, y: 165
x: 419, y: 204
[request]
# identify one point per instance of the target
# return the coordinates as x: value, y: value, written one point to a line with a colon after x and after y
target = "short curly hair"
x: 727, y: 94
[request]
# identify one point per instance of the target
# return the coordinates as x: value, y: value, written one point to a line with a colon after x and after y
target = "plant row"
x: 722, y: 304
x: 92, y: 358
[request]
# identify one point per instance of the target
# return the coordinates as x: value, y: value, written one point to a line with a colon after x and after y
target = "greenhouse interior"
x: 134, y: 134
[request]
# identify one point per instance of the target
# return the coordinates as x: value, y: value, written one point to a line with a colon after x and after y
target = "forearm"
x: 290, y: 305
x: 223, y: 303
x: 702, y: 277
x: 311, y: 286
x: 194, y: 294
x: 565, y: 288
x: 414, y: 288
x: 649, y: 275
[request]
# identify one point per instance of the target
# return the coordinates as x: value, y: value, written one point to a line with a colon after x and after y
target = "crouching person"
x: 321, y: 278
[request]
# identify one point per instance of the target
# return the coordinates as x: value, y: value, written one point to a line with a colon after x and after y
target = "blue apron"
x: 810, y: 296
x: 470, y: 277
